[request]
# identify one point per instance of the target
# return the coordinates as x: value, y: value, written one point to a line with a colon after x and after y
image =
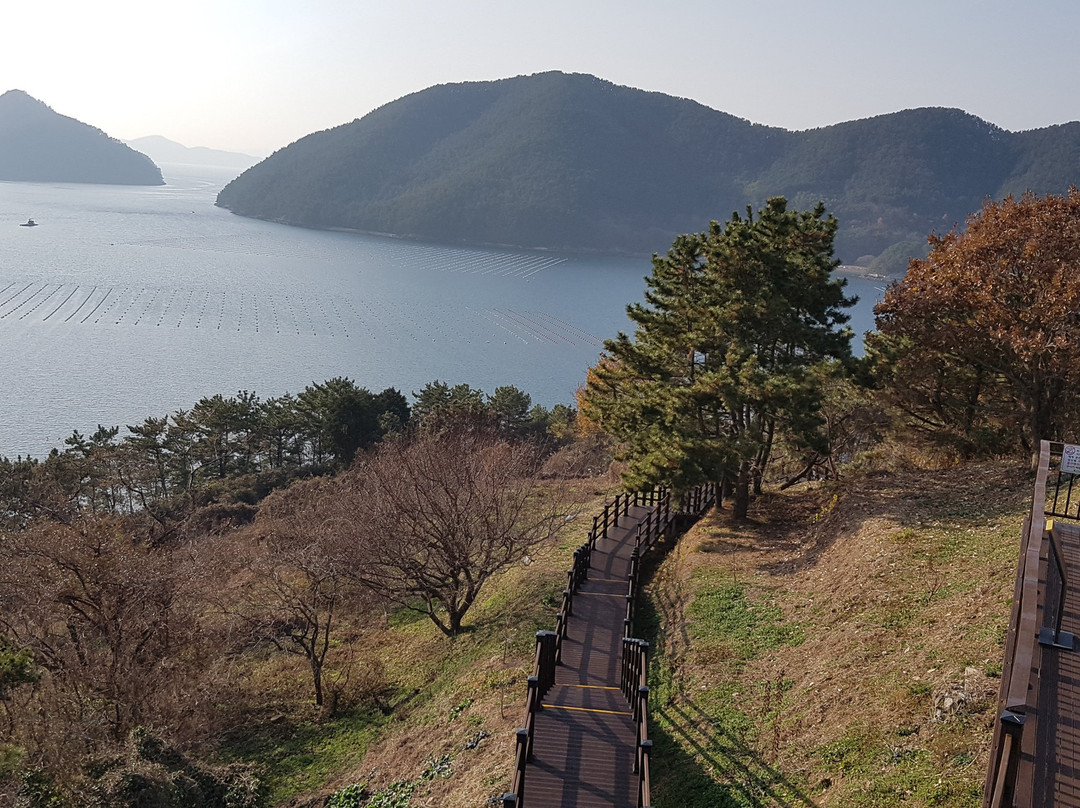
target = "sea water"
x: 128, y: 302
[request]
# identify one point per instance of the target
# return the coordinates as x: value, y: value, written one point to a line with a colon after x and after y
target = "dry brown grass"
x: 899, y: 585
x: 896, y: 582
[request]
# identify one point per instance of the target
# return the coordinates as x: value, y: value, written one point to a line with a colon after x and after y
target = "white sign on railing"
x: 1070, y: 459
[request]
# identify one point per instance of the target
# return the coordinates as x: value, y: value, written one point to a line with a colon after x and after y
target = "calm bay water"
x: 129, y: 302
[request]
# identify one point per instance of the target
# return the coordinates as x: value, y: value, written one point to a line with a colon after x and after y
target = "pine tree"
x: 735, y: 323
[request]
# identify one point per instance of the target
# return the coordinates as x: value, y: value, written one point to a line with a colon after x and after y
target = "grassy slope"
x: 459, y: 697
x: 841, y: 648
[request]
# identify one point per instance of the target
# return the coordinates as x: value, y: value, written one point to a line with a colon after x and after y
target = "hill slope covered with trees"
x: 40, y: 145
x: 575, y: 162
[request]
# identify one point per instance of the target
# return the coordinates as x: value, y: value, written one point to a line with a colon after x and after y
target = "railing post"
x: 635, y: 661
x: 644, y: 752
x: 642, y: 698
x: 521, y: 738
x: 533, y: 700
x: 539, y: 666
x: 546, y: 640
x: 509, y: 800
x: 606, y: 519
x: 1005, y: 768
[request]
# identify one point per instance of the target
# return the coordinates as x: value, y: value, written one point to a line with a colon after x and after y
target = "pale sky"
x: 255, y: 75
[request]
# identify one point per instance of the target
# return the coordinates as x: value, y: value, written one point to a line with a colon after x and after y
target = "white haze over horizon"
x: 254, y: 75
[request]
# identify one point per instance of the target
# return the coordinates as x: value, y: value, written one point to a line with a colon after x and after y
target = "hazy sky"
x: 255, y: 75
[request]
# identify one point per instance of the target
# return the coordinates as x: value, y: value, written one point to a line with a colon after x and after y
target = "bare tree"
x: 104, y: 616
x: 301, y: 573
x: 441, y: 512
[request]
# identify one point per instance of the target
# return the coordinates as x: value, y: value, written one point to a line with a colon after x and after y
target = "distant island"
x: 163, y: 150
x: 573, y: 162
x: 40, y: 145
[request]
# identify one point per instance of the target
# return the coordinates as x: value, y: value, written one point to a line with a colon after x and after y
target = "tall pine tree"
x: 736, y: 325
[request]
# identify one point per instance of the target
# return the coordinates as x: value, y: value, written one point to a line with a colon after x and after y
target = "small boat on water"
x: 29, y: 223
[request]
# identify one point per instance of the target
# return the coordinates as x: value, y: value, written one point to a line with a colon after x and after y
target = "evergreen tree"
x: 735, y: 322
x: 510, y: 407
x: 437, y: 398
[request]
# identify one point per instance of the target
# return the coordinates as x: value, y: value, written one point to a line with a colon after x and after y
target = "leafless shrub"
x: 587, y: 456
x: 300, y: 574
x: 108, y: 620
x: 439, y: 513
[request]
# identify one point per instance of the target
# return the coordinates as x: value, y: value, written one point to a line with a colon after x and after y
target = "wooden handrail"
x: 1007, y: 782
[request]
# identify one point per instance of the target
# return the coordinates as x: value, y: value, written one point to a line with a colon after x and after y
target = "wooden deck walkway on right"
x: 1035, y: 756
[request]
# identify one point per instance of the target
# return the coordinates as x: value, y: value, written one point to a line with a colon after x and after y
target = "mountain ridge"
x: 38, y: 144
x: 573, y: 162
x: 163, y: 150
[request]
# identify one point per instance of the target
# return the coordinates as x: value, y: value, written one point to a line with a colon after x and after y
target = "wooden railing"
x: 1034, y: 626
x: 620, y: 506
x: 576, y: 576
x: 634, y: 678
x: 635, y: 662
x: 541, y: 680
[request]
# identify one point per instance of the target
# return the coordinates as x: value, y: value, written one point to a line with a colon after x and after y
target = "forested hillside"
x: 40, y: 145
x: 574, y: 162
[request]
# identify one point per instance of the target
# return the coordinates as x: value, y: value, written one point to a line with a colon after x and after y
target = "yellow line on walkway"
x: 607, y: 580
x: 601, y: 594
x: 585, y: 709
x: 590, y: 687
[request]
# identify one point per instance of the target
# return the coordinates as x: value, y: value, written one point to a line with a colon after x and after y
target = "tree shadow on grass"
x: 295, y: 754
x: 697, y: 763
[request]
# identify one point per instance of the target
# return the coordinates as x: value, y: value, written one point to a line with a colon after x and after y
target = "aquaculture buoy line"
x: 12, y: 297
x: 289, y: 313
x: 570, y: 328
x: 62, y: 304
x: 97, y: 306
x: 78, y: 308
x: 440, y: 258
x: 38, y: 305
x: 464, y: 260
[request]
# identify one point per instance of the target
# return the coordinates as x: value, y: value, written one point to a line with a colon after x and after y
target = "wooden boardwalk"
x: 1035, y: 755
x: 585, y: 742
x: 585, y: 735
x: 1055, y: 757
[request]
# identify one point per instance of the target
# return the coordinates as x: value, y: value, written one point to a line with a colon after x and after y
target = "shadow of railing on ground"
x: 701, y: 757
